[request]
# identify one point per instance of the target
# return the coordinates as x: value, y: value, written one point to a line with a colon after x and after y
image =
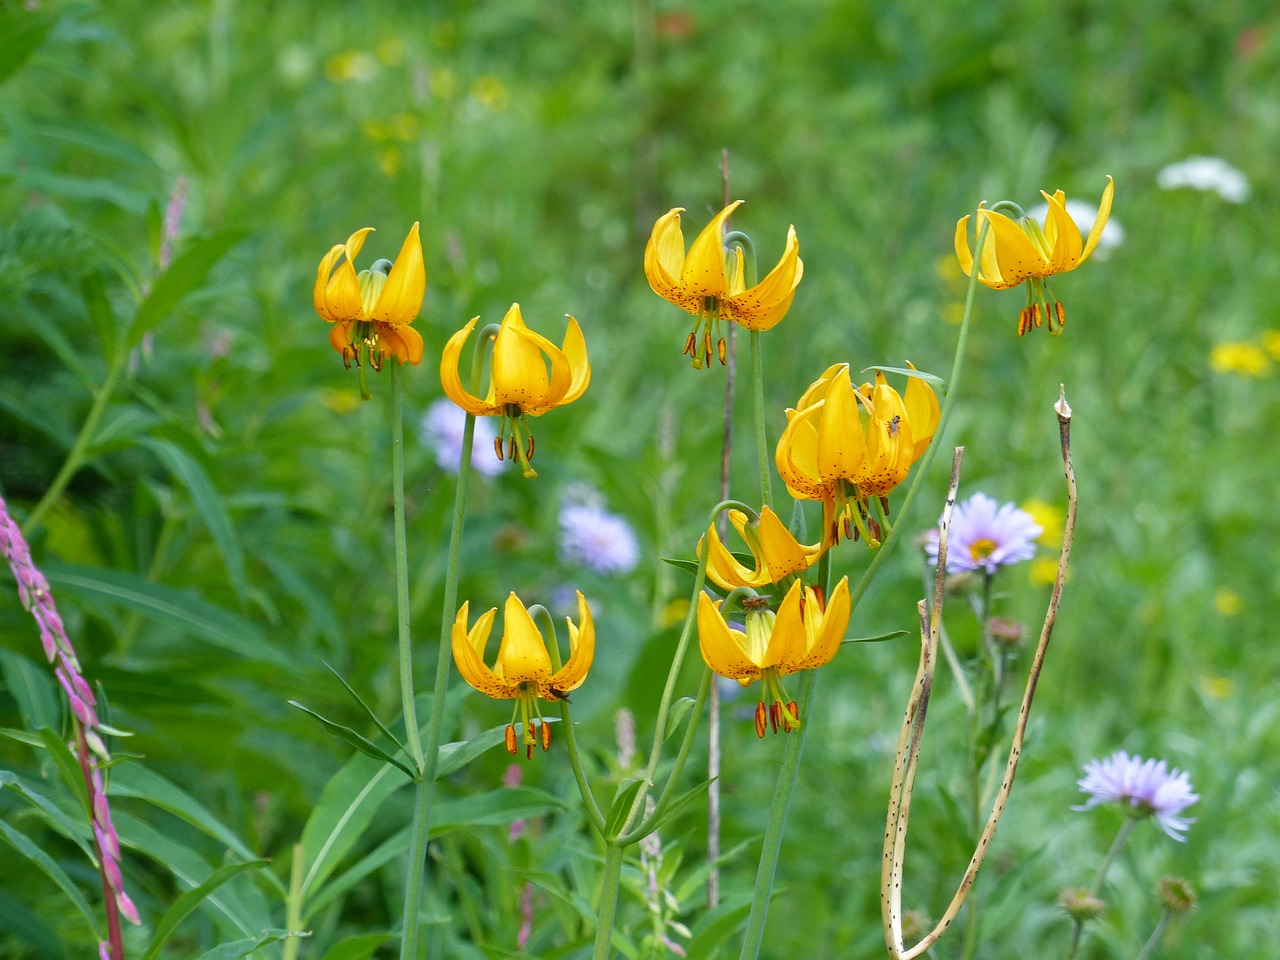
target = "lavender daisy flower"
x: 986, y: 536
x: 1146, y: 787
x: 592, y: 537
x: 442, y: 428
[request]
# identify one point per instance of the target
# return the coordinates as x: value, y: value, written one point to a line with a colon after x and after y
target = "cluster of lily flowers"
x: 844, y: 446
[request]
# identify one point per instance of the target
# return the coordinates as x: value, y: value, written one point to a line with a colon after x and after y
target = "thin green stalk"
x: 430, y: 753
x: 76, y: 458
x: 1149, y: 947
x: 608, y: 899
x: 293, y: 906
x: 757, y: 390
x: 1125, y: 829
x: 404, y: 639
x: 922, y: 469
x: 772, y: 846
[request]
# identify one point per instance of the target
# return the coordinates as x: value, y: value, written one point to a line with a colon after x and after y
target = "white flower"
x: 442, y: 427
x: 1084, y: 213
x: 1209, y: 174
x: 1146, y: 787
x: 986, y: 536
x: 592, y: 537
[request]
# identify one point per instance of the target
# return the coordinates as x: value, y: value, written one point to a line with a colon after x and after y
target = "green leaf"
x: 22, y: 33
x: 677, y: 714
x: 186, y: 274
x: 190, y: 900
x: 204, y: 497
x: 679, y: 803
x: 358, y: 947
x: 17, y: 921
x: 932, y: 379
x: 136, y: 780
x: 243, y: 948
x: 878, y: 638
x: 32, y: 689
x: 25, y: 846
x: 456, y: 755
x: 367, y: 709
x: 347, y: 806
x: 359, y: 741
x: 714, y: 928
x: 77, y: 831
x: 93, y: 290
x: 178, y: 608
x: 239, y: 909
x: 627, y: 791
x: 68, y: 765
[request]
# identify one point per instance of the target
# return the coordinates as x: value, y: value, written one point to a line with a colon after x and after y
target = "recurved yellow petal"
x: 468, y: 653
x: 401, y: 296
x: 582, y: 650
x: 829, y: 626
x: 703, y: 273
x: 452, y: 383
x: 723, y: 649
x: 523, y: 656
x: 575, y: 351
x: 1100, y: 222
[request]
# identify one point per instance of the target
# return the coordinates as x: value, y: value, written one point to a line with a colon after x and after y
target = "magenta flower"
x: 33, y: 591
x: 1145, y: 787
x: 986, y: 536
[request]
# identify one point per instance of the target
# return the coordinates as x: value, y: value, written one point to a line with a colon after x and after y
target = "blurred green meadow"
x: 230, y: 526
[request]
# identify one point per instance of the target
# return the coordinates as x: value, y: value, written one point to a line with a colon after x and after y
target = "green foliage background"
x: 234, y: 477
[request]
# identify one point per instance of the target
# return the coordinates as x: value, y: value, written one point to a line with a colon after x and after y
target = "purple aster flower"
x: 592, y: 537
x: 442, y: 428
x: 1146, y: 787
x: 986, y: 536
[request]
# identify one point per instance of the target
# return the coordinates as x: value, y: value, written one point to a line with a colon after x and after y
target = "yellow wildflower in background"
x: 1246, y: 359
x: 1271, y: 343
x: 710, y: 283
x: 375, y: 308
x: 1051, y: 520
x: 1043, y: 571
x: 522, y: 670
x: 843, y: 446
x: 800, y: 636
x: 1023, y: 250
x: 777, y: 553
x: 1226, y: 601
x: 519, y: 383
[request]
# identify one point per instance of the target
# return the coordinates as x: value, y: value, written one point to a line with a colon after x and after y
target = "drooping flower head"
x: 528, y: 375
x: 523, y: 670
x: 802, y: 635
x: 1018, y: 250
x: 592, y: 537
x: 442, y: 427
x: 986, y: 535
x: 848, y: 448
x: 776, y: 552
x: 1144, y: 788
x: 710, y: 282
x: 371, y: 312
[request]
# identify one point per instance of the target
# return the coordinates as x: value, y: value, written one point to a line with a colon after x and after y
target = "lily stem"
x: 609, y: 882
x: 76, y: 458
x: 772, y: 846
x: 428, y: 757
x: 757, y: 390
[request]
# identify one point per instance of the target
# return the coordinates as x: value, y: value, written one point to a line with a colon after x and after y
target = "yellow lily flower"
x: 1018, y: 250
x: 777, y: 553
x: 519, y: 383
x: 800, y: 636
x: 710, y: 283
x: 372, y: 310
x: 523, y: 668
x: 831, y: 452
